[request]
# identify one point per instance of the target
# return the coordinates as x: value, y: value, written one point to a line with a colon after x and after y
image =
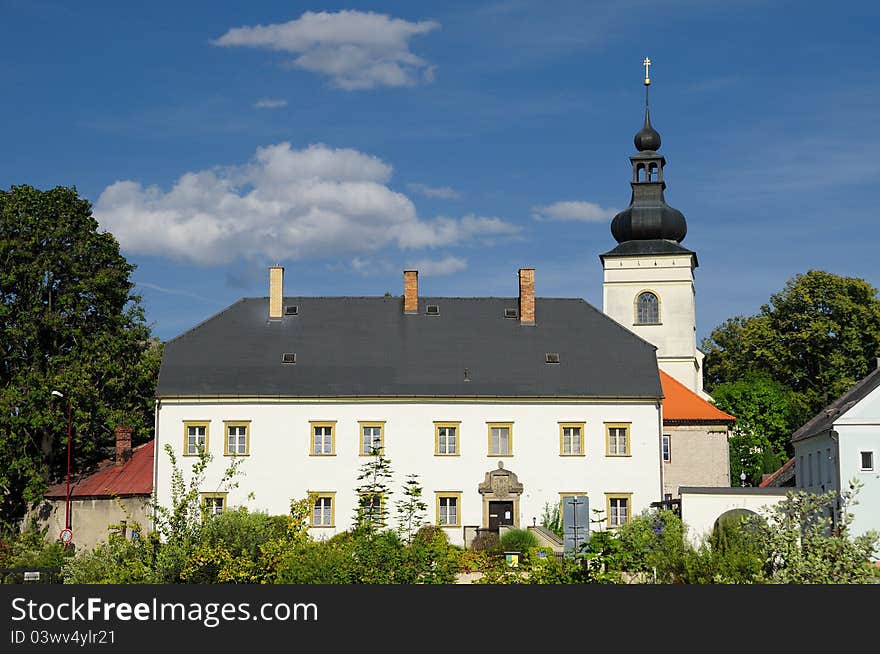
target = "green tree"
x: 411, y: 509
x: 69, y: 321
x: 803, y: 546
x: 753, y: 453
x: 818, y: 336
x: 374, y: 475
x: 551, y: 518
x: 760, y: 439
x: 761, y: 405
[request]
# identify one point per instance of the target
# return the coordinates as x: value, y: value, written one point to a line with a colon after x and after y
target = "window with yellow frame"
x: 571, y: 439
x: 322, y: 437
x: 449, y: 509
x: 447, y: 438
x: 214, y: 503
x: 371, y: 438
x: 323, y: 509
x: 500, y: 438
x: 371, y: 509
x: 618, y: 508
x: 195, y: 437
x: 618, y: 438
x: 238, y: 437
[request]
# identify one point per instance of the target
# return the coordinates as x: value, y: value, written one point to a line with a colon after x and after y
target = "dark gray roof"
x: 366, y: 346
x: 733, y: 490
x: 651, y: 246
x: 826, y: 418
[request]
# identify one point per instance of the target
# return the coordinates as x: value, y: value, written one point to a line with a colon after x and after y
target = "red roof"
x: 134, y: 477
x: 778, y: 473
x: 681, y: 403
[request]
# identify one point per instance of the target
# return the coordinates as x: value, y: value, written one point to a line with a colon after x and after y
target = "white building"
x: 840, y: 444
x: 500, y: 405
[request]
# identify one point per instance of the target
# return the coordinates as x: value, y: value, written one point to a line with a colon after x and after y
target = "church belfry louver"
x: 649, y: 277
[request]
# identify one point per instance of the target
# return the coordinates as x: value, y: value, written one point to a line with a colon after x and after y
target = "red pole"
x: 67, y: 513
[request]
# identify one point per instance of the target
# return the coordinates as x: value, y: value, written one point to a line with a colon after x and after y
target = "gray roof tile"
x: 366, y: 346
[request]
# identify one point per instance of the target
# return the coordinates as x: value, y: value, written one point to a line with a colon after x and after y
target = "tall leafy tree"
x: 375, y: 476
x: 818, y: 336
x: 760, y: 439
x: 70, y: 322
x: 411, y: 509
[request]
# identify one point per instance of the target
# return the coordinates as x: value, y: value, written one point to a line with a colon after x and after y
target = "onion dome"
x: 648, y: 217
x: 647, y: 138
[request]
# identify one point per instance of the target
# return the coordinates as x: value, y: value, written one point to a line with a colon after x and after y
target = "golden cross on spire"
x: 647, y: 63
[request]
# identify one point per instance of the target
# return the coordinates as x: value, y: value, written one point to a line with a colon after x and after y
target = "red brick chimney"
x: 527, y: 296
x: 123, y: 444
x: 410, y: 291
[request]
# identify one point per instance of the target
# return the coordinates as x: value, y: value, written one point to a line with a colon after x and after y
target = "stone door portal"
x: 501, y: 491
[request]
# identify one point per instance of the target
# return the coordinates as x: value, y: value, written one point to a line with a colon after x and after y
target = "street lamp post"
x: 67, y: 507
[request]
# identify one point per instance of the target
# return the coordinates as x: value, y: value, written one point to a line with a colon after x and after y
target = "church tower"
x: 649, y: 277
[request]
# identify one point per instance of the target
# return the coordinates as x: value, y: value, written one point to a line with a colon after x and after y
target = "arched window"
x: 647, y: 309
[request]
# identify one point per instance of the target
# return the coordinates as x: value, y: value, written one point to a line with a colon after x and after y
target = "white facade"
x: 671, y: 278
x: 701, y: 507
x: 833, y: 458
x: 280, y: 466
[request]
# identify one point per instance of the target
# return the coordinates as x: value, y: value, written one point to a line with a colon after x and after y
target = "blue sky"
x: 350, y: 141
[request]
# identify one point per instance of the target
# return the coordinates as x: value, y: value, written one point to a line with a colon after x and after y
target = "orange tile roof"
x: 681, y: 403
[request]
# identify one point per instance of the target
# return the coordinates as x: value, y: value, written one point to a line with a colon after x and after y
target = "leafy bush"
x: 551, y: 519
x: 803, y: 547
x: 31, y: 549
x: 486, y: 541
x: 652, y: 542
x: 117, y: 561
x: 518, y: 540
x: 324, y: 562
x: 243, y: 533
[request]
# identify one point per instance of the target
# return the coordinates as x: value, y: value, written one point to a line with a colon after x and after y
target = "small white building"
x: 703, y: 507
x: 841, y: 444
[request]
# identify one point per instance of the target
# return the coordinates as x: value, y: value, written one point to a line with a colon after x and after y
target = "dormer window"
x: 647, y: 309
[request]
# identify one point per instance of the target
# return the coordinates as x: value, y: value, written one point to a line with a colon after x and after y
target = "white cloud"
x: 284, y: 204
x: 442, y: 192
x: 357, y: 50
x: 269, y: 103
x: 432, y: 267
x: 573, y: 210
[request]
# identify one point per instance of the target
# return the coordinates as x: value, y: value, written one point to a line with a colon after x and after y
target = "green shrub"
x: 430, y: 535
x: 324, y: 562
x: 117, y: 561
x: 31, y: 549
x: 518, y: 540
x: 243, y: 533
x: 551, y: 518
x: 653, y: 542
x: 486, y: 541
